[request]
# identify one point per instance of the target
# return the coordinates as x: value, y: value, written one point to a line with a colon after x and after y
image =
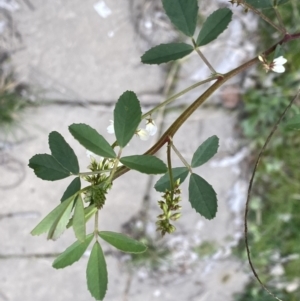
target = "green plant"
x: 252, y: 292
x: 11, y: 101
x: 79, y: 204
x: 273, y: 212
x: 274, y: 206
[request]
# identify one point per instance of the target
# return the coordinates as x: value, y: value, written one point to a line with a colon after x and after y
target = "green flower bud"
x: 176, y: 207
x: 161, y: 203
x: 161, y: 216
x: 165, y: 208
x: 171, y: 228
x: 158, y: 223
x: 175, y: 216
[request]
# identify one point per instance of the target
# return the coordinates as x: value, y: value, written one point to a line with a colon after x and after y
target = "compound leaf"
x: 123, y: 242
x: 127, y: 117
x: 91, y: 140
x: 164, y: 53
x: 163, y: 183
x: 202, y: 197
x: 205, y: 151
x: 63, y: 153
x: 73, y: 253
x: 96, y: 273
x: 46, y: 167
x: 145, y: 164
x: 183, y: 14
x: 214, y: 25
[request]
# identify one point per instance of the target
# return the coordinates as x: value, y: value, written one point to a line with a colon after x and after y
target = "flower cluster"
x: 276, y: 65
x: 143, y: 134
x: 170, y: 203
x: 99, y: 187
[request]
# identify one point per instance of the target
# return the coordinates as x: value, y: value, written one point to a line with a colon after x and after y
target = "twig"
x: 249, y: 193
x: 204, y: 59
x: 264, y: 17
x: 279, y: 18
x: 177, y: 152
x: 202, y: 98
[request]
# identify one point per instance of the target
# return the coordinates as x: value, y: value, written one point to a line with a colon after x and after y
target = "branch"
x: 202, y: 98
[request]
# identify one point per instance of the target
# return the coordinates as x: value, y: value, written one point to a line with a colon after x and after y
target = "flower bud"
x: 171, y: 228
x: 175, y: 216
x: 161, y: 217
x: 165, y: 208
x: 176, y: 207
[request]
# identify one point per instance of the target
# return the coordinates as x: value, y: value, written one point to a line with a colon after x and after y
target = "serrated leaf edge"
x: 198, y: 42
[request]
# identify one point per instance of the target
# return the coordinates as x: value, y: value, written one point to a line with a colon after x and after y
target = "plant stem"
x: 90, y: 173
x: 279, y: 19
x: 187, y: 165
x: 264, y: 17
x: 172, y: 98
x: 117, y: 160
x: 199, y: 101
x: 182, y: 118
x: 170, y: 168
x: 96, y: 224
x: 207, y: 63
x: 202, y: 98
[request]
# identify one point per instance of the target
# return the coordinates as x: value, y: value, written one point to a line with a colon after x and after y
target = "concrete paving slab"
x: 35, y: 279
x: 224, y: 279
x: 63, y: 40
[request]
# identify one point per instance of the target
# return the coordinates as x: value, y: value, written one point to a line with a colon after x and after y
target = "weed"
x: 274, y: 219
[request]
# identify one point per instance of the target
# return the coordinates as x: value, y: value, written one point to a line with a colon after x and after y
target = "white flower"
x: 143, y: 134
x: 111, y: 128
x: 276, y: 65
x: 151, y: 127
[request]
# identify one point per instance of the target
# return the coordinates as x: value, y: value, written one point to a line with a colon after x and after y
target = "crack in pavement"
x: 22, y: 214
x: 115, y: 254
